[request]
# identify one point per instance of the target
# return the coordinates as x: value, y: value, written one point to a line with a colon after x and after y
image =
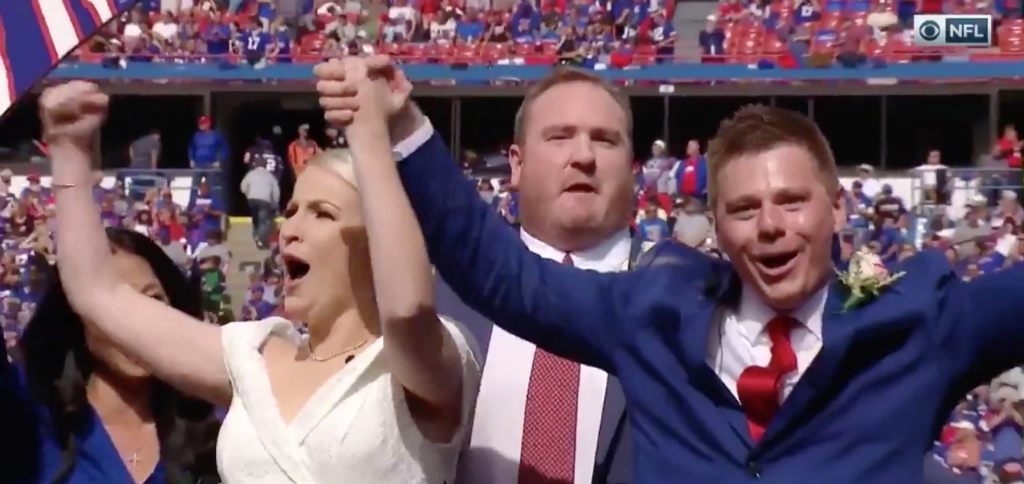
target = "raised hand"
x: 353, y: 84
x: 72, y: 113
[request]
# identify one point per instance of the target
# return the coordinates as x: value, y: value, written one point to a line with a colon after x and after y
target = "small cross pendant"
x: 134, y: 461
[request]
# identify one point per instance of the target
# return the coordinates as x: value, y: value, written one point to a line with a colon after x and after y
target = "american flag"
x: 36, y: 34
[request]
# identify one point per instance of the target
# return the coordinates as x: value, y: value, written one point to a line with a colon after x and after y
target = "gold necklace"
x: 321, y: 359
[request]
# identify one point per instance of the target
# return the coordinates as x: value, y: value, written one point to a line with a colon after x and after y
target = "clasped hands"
x: 361, y: 94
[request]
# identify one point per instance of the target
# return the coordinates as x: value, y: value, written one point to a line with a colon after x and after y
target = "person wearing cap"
x: 657, y: 165
x: 1005, y: 425
x: 207, y: 150
x: 301, y: 150
x: 972, y: 226
x: 871, y: 185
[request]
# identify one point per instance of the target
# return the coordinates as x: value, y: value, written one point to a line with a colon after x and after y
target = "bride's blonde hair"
x: 339, y: 161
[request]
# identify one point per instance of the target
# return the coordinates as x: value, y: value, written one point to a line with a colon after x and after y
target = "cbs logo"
x: 929, y: 30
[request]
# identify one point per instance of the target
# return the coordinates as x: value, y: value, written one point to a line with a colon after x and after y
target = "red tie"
x: 549, y: 424
x: 759, y: 386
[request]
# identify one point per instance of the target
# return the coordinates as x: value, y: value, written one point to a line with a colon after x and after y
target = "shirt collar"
x: 754, y: 314
x: 611, y: 254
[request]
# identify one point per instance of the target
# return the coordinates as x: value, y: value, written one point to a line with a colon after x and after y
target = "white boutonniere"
x: 865, y: 279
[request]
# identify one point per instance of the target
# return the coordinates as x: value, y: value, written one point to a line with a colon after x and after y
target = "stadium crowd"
x: 598, y: 34
x: 982, y: 439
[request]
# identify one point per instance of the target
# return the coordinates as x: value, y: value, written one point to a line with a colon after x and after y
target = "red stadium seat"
x: 645, y: 55
x: 494, y: 52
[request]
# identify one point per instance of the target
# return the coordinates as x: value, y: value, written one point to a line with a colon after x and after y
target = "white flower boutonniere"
x: 865, y: 279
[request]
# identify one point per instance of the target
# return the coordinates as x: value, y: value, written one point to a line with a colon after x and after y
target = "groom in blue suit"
x: 733, y: 372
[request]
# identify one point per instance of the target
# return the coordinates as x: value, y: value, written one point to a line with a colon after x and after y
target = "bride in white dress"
x: 381, y: 390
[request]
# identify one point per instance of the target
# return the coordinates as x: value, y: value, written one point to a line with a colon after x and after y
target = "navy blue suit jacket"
x: 866, y: 410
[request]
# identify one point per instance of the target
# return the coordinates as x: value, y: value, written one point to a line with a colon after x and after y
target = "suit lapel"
x: 840, y: 329
x: 711, y: 311
x: 613, y: 423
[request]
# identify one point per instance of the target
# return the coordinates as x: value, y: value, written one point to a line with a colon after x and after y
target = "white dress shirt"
x: 496, y: 440
x: 740, y: 340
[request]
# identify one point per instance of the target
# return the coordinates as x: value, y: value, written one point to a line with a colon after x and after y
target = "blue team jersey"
x: 256, y: 41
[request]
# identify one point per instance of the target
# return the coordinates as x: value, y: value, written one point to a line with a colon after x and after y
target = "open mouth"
x: 776, y: 264
x: 295, y: 268
x: 581, y: 188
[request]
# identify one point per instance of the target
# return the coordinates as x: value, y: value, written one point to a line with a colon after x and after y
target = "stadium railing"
x: 183, y: 184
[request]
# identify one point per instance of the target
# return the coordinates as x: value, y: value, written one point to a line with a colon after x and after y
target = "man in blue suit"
x: 540, y: 418
x: 733, y: 372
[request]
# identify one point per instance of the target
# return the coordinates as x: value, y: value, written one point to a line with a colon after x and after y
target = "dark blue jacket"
x: 207, y: 148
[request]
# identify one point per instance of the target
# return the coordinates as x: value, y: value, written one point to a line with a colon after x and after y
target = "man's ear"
x: 515, y: 162
x: 838, y: 212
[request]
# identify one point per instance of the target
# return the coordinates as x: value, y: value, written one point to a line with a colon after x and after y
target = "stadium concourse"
x: 177, y: 179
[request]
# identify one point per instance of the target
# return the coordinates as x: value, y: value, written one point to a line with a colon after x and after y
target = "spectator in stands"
x: 213, y: 245
x: 964, y: 454
x: 974, y: 225
x: 260, y: 188
x: 470, y: 27
x: 81, y: 388
x: 1010, y: 146
x: 656, y: 166
x: 167, y: 224
x: 5, y: 181
x: 860, y: 208
x: 174, y: 249
x: 258, y: 303
x: 712, y: 38
x: 301, y: 150
x: 888, y: 237
x: 213, y: 282
x: 1008, y: 207
x: 651, y: 227
x: 256, y: 44
x: 806, y: 11
x: 691, y: 173
x: 663, y: 35
x: 207, y: 152
x: 263, y: 149
x: 934, y: 178
x: 206, y: 213
x: 692, y: 226
x: 108, y: 215
x: 144, y: 152
x: 870, y: 185
x: 887, y: 204
x: 216, y: 36
x: 165, y: 29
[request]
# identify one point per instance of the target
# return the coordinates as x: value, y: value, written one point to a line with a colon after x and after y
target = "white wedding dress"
x: 355, y: 429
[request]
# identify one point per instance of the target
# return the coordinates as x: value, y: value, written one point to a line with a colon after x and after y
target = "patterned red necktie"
x: 758, y: 386
x: 549, y: 424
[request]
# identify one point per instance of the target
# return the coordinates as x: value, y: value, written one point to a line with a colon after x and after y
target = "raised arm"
x: 982, y: 321
x: 573, y: 313
x: 423, y: 355
x: 178, y: 349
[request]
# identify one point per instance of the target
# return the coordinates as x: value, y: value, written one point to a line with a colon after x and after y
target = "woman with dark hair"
x: 84, y: 413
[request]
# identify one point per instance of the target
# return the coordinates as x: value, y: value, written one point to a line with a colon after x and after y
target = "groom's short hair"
x: 564, y: 75
x: 757, y: 128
